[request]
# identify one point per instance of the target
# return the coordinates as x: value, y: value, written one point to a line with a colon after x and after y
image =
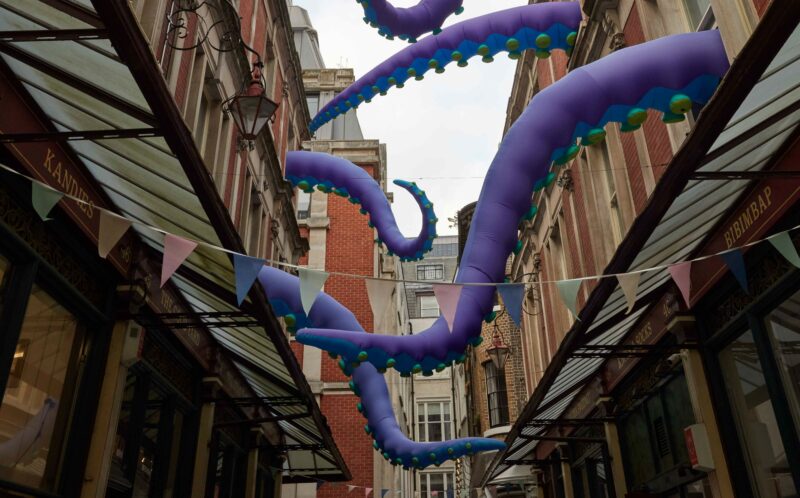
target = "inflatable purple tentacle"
x: 331, y: 174
x: 542, y: 27
x: 668, y: 75
x: 409, y: 23
x: 283, y: 292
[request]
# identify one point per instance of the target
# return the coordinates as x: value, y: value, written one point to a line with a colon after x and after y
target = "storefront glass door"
x: 784, y: 330
x: 755, y: 419
x: 36, y: 398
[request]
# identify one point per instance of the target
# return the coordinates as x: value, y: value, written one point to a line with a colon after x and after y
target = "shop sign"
x: 648, y: 331
x: 750, y: 221
x: 53, y: 164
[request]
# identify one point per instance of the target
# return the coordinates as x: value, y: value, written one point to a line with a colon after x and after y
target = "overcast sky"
x: 448, y: 125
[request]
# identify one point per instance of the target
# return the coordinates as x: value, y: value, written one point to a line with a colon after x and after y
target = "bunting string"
x: 45, y: 197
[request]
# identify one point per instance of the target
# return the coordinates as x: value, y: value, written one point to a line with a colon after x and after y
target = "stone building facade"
x: 587, y: 222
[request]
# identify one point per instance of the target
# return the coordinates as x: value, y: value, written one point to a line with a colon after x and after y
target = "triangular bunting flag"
x: 367, y: 491
x: 246, y: 269
x: 350, y: 487
x: 44, y: 199
x: 311, y: 282
x: 384, y: 492
x: 176, y: 250
x: 112, y: 228
x: 735, y: 261
x: 568, y: 289
x: 447, y: 297
x: 512, y: 295
x: 379, y: 293
x: 629, y: 283
x: 682, y: 275
x: 784, y: 245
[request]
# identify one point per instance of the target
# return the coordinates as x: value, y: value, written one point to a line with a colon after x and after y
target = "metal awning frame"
x: 114, y: 22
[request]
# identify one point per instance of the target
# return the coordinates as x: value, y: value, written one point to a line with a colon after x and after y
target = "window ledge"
x: 497, y: 431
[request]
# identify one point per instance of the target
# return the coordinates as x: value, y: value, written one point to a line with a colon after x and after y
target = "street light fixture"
x: 251, y: 109
x: 499, y: 352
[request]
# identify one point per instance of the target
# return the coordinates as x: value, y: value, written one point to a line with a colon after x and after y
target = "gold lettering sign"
x: 748, y: 217
x: 67, y: 182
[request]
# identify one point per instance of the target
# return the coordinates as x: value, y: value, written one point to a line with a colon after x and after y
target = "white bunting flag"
x: 311, y: 283
x: 379, y: 293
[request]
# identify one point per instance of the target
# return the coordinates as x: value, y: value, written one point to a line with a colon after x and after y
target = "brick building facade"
x: 341, y: 241
x: 582, y: 440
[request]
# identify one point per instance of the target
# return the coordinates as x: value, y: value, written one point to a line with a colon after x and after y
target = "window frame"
x: 500, y: 393
x: 436, y: 268
x: 422, y: 309
x: 753, y: 317
x: 26, y: 269
x: 446, y: 426
x: 449, y: 483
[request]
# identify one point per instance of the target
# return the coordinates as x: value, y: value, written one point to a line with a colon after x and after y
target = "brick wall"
x: 349, y: 249
x: 347, y: 426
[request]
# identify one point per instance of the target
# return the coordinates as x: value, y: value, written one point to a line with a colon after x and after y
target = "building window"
x: 430, y: 272
x: 435, y: 484
x: 434, y: 421
x: 784, y: 328
x: 36, y: 400
x: 753, y: 412
x: 617, y: 223
x: 496, y: 393
x: 652, y: 431
x: 313, y: 104
x: 449, y: 250
x: 428, y: 307
x: 303, y: 205
x: 699, y: 14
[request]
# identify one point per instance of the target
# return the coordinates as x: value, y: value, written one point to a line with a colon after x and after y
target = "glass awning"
x: 766, y: 117
x: 62, y: 55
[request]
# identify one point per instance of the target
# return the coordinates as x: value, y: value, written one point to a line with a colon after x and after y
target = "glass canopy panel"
x: 42, y: 14
x: 80, y: 61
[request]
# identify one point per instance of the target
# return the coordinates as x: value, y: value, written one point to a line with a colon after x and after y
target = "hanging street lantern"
x: 251, y: 109
x: 499, y: 352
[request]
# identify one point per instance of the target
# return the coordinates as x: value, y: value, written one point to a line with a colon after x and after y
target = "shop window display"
x: 784, y: 328
x: 755, y: 419
x: 35, y: 401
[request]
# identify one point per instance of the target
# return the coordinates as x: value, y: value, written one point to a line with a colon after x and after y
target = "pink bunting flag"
x: 112, y: 228
x: 350, y: 488
x: 682, y: 275
x: 367, y: 491
x: 447, y: 297
x: 176, y: 250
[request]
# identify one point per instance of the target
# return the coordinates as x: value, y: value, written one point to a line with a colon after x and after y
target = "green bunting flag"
x: 44, y: 199
x: 784, y: 245
x: 569, y: 293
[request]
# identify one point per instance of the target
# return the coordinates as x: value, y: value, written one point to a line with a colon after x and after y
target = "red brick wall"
x: 349, y: 249
x: 347, y: 426
x: 761, y: 6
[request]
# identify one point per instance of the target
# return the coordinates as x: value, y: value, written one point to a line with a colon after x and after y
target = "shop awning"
x: 742, y: 131
x: 88, y: 69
